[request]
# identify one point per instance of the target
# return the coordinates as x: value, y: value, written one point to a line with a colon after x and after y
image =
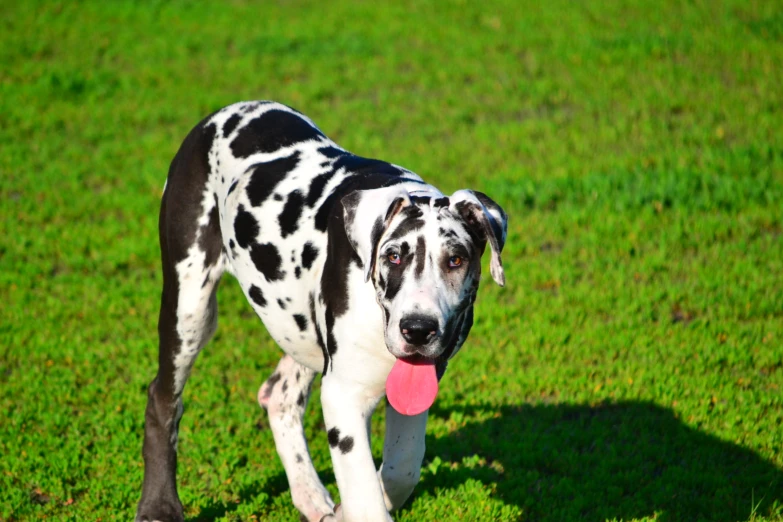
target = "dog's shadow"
x: 577, y: 462
x: 614, y: 461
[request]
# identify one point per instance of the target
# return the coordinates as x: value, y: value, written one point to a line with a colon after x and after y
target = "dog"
x: 358, y: 269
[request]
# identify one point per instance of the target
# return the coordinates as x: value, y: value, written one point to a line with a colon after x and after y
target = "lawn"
x: 631, y: 368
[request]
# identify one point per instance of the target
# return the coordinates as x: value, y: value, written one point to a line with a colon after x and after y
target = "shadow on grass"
x: 624, y: 460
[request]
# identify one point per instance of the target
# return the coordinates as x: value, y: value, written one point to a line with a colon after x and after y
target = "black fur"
x: 271, y: 131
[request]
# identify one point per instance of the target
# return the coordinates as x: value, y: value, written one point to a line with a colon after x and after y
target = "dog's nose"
x: 418, y: 330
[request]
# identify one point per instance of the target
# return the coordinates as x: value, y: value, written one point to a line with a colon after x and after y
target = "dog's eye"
x: 455, y: 261
x: 394, y: 258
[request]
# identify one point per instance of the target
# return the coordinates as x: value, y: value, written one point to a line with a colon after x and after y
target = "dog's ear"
x: 488, y: 221
x: 367, y: 214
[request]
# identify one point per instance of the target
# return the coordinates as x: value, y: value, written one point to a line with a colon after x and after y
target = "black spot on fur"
x: 298, y: 272
x: 292, y: 211
x: 277, y: 197
x: 405, y: 227
x: 346, y: 445
x: 309, y: 253
x: 331, y: 152
x: 395, y: 283
x: 299, y: 458
x: 318, y: 335
x: 231, y: 244
x: 267, y: 175
x: 450, y: 233
x: 246, y: 227
x: 281, y: 304
x: 300, y: 401
x: 209, y: 239
x: 301, y: 322
x: 285, y: 386
x: 441, y: 202
x: 270, y: 384
x: 421, y: 200
x: 412, y: 211
x: 421, y: 256
x: 251, y: 106
x: 257, y: 296
x: 396, y: 272
x: 460, y: 330
x: 271, y: 131
x: 412, y: 219
x: 267, y: 260
x: 333, y: 435
x: 317, y: 187
x: 231, y: 124
x: 331, y: 341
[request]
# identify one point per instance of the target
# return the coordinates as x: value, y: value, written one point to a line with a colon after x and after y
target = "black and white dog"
x: 358, y: 269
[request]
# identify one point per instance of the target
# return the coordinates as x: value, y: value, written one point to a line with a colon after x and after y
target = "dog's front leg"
x: 403, y: 451
x: 347, y: 408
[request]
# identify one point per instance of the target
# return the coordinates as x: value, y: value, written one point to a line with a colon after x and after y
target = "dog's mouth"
x: 417, y: 358
x: 412, y: 384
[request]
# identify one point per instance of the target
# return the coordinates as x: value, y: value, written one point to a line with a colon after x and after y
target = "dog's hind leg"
x: 284, y: 396
x: 191, y: 252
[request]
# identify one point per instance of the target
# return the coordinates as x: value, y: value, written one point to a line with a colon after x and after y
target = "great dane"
x: 359, y: 270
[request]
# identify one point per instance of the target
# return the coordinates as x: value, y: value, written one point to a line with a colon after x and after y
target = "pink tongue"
x: 411, y: 387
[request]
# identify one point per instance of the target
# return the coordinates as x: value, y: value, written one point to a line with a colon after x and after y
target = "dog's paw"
x: 319, y: 517
x: 160, y: 512
x: 330, y: 517
x: 335, y: 517
x: 161, y: 518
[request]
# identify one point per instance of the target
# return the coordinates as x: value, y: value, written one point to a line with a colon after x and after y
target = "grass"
x: 632, y: 367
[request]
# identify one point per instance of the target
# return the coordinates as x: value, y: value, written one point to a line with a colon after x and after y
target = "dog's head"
x: 422, y: 252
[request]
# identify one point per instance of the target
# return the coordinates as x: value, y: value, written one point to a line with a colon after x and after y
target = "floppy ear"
x: 367, y: 213
x: 488, y: 221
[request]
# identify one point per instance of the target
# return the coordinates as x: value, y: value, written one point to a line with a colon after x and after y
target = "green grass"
x: 632, y: 367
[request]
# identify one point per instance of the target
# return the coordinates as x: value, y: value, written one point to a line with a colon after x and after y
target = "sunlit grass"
x: 631, y: 369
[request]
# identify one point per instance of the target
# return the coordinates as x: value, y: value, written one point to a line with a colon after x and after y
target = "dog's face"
x: 422, y: 252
